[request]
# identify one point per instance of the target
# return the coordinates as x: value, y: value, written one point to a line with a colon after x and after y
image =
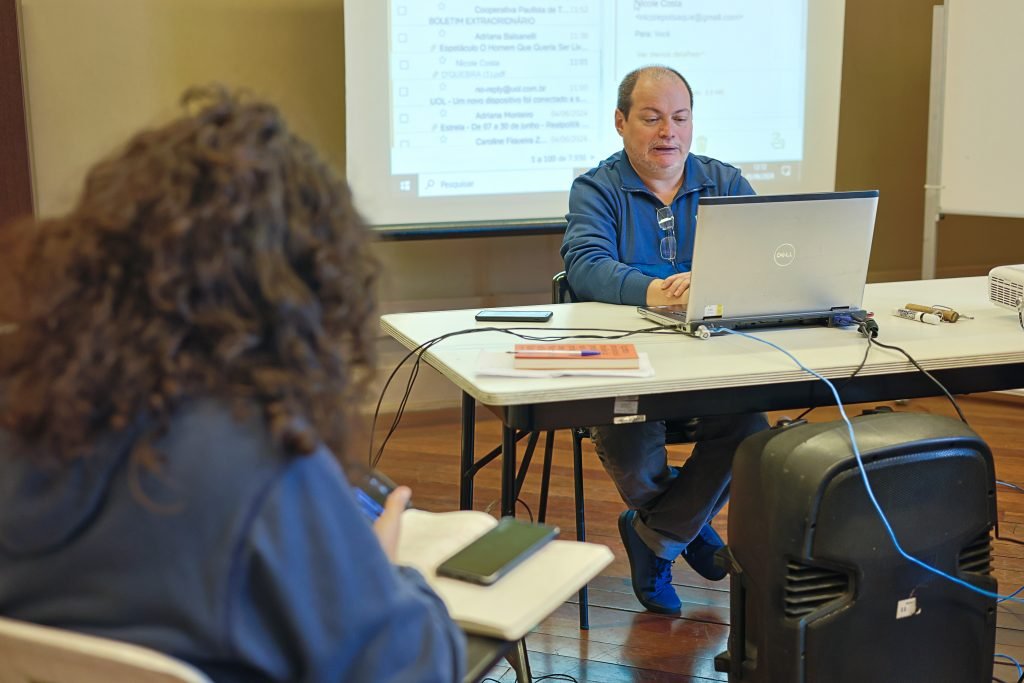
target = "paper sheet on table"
x: 499, y: 364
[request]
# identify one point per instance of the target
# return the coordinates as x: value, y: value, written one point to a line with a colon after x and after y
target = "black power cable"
x: 591, y: 333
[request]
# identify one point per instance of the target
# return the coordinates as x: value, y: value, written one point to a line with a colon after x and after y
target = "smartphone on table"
x: 497, y: 552
x: 507, y: 315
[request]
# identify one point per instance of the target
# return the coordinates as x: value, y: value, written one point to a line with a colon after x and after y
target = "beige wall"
x: 98, y: 69
x: 883, y: 135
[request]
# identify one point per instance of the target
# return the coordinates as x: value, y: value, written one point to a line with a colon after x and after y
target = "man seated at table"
x: 623, y: 246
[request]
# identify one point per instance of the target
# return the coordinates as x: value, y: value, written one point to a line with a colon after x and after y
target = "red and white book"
x: 568, y: 356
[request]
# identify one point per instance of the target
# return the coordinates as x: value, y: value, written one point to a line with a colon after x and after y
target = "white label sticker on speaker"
x: 626, y: 405
x: 906, y: 608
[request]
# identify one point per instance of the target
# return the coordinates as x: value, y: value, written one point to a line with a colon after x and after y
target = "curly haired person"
x: 175, y: 407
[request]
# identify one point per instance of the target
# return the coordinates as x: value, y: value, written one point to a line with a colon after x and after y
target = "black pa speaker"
x: 819, y: 592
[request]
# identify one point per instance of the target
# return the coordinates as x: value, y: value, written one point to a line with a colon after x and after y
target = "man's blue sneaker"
x: 651, y: 575
x: 700, y: 554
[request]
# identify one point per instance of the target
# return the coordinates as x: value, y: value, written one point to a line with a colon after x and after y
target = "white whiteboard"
x: 982, y: 170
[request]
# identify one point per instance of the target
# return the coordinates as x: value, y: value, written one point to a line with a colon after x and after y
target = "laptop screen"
x: 776, y: 260
x: 772, y: 254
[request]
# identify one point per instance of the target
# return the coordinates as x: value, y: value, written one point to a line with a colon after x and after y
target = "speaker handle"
x: 737, y: 653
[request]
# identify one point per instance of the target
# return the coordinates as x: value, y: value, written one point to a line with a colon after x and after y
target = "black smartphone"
x: 372, y: 488
x: 510, y: 316
x: 494, y: 554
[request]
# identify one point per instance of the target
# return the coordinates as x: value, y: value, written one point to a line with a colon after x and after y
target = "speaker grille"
x: 976, y: 558
x: 809, y: 587
x: 1004, y: 292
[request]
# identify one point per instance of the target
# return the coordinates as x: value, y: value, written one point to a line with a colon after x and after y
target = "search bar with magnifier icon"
x: 492, y: 182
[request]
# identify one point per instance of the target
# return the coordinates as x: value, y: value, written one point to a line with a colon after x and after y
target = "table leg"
x: 519, y: 659
x: 468, y: 447
x: 508, y: 471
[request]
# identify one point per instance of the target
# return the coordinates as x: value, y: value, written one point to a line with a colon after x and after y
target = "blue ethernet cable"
x: 1020, y: 671
x: 864, y: 475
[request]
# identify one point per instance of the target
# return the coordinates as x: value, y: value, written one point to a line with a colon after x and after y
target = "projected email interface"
x: 493, y: 97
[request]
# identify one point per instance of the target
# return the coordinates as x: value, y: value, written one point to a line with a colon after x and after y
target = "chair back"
x: 30, y: 653
x: 561, y: 292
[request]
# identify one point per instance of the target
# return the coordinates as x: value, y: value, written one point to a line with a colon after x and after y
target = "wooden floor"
x: 626, y: 643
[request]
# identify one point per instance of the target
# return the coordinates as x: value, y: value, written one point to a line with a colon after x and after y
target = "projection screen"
x: 469, y: 114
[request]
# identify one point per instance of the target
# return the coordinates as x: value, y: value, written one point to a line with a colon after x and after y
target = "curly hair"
x: 216, y: 256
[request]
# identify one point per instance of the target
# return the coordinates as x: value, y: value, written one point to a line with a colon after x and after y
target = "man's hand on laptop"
x: 673, y: 290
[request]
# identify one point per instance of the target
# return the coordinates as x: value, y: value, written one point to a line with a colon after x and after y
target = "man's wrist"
x: 656, y: 295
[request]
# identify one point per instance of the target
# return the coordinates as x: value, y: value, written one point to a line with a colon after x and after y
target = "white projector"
x: 1006, y: 286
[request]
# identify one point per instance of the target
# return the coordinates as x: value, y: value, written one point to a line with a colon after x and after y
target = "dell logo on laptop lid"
x: 785, y: 254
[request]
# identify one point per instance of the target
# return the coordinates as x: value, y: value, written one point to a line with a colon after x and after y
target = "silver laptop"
x: 776, y: 260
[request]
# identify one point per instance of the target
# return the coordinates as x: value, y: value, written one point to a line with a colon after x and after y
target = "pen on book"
x: 555, y: 352
x: 919, y: 316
